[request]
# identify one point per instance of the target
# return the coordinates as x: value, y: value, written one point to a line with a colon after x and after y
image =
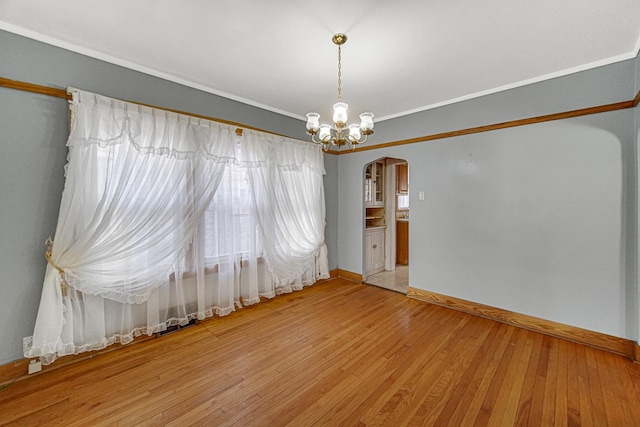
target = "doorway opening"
x: 386, y: 224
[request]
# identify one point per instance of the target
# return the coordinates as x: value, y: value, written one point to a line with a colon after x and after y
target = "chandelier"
x: 339, y: 133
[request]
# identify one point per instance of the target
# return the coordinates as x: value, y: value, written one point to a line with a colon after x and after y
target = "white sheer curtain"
x: 289, y: 196
x: 166, y: 218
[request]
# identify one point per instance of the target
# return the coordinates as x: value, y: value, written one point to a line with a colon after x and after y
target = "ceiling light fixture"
x: 340, y: 133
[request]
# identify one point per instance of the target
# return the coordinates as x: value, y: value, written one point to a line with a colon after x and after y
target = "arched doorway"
x: 386, y: 224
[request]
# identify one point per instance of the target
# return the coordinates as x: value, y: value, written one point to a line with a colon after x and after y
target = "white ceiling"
x: 402, y: 56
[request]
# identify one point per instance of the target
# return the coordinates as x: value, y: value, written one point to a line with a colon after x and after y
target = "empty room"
x: 319, y: 213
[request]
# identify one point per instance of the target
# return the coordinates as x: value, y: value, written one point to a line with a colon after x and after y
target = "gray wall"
x: 331, y: 180
x: 32, y: 136
x: 637, y: 139
x: 33, y: 133
x: 537, y: 219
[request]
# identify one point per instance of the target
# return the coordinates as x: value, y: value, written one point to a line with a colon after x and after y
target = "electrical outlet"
x: 35, y: 366
x: 27, y: 343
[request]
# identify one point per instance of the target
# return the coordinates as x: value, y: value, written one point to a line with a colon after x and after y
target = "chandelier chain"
x: 339, y: 73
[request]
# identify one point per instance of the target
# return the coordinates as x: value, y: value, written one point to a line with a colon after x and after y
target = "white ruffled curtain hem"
x: 49, y: 353
x: 77, y: 302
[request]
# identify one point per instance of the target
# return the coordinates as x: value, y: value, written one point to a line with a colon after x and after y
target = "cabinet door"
x: 368, y: 184
x: 368, y: 247
x: 377, y: 245
x: 402, y: 179
x: 374, y: 251
x: 402, y: 242
x: 379, y: 184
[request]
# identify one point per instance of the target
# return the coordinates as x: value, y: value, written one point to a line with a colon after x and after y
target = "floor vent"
x: 175, y: 328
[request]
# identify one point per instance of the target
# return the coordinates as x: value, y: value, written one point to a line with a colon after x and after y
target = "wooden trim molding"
x: 30, y: 87
x: 62, y: 93
x: 348, y: 275
x: 598, y: 340
x: 18, y: 370
x: 213, y: 119
x: 504, y: 125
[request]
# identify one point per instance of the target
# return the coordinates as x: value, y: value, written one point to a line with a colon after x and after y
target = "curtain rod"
x: 62, y: 93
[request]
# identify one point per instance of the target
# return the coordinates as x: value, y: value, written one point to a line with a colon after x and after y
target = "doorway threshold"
x: 397, y: 280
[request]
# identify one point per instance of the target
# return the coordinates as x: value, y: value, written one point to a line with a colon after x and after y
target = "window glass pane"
x: 403, y: 201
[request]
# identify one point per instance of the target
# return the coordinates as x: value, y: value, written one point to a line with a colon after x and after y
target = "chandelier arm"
x: 324, y: 142
x: 350, y: 144
x: 361, y: 140
x: 328, y: 139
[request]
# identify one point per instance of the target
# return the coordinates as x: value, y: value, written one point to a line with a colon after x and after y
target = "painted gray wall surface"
x: 331, y: 201
x: 637, y: 138
x: 637, y: 85
x: 33, y: 133
x: 539, y: 219
x: 527, y: 219
x: 32, y: 136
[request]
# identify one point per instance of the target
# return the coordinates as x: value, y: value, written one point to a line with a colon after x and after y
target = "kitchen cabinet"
x: 402, y: 179
x: 374, y: 250
x: 374, y: 184
x: 402, y: 242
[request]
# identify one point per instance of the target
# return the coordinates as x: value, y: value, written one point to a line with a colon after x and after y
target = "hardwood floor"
x: 337, y: 353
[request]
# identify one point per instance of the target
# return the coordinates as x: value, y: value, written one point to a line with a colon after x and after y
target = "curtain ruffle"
x: 104, y: 121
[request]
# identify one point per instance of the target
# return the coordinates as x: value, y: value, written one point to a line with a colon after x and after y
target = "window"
x: 230, y: 230
x: 403, y: 202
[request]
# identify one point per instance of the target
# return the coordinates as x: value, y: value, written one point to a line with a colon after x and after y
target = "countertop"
x: 373, y: 227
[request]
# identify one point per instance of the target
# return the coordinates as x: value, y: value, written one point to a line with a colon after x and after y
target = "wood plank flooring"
x: 337, y: 353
